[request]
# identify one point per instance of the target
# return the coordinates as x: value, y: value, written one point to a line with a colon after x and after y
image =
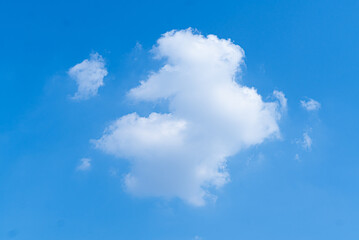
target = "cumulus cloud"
x: 310, y: 104
x: 85, y: 164
x: 182, y: 153
x: 89, y: 76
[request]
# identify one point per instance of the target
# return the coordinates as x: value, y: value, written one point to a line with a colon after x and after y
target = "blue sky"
x: 59, y: 180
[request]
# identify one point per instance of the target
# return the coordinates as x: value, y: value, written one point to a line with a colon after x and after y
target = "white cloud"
x: 282, y: 99
x: 89, y: 76
x: 310, y: 104
x: 211, y: 117
x: 307, y: 141
x: 85, y: 164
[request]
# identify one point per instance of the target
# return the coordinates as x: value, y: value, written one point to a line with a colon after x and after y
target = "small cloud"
x: 307, y: 141
x: 137, y: 51
x: 310, y: 104
x: 281, y: 98
x: 85, y: 164
x: 296, y: 157
x: 138, y: 46
x: 89, y: 76
x: 197, y: 238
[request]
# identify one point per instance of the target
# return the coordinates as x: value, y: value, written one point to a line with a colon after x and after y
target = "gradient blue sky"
x: 303, y: 48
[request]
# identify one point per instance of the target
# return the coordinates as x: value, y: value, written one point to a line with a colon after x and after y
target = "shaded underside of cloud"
x: 182, y: 153
x: 89, y: 75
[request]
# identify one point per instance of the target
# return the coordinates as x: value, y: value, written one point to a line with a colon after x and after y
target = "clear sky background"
x: 55, y: 184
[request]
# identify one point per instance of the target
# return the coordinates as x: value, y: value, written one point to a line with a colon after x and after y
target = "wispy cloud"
x: 211, y: 117
x: 85, y: 164
x: 89, y: 75
x: 282, y: 99
x: 310, y: 104
x: 305, y: 141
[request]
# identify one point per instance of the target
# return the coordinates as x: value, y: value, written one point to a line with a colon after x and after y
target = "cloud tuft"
x: 89, y: 75
x: 307, y: 141
x: 310, y: 104
x: 85, y: 164
x: 282, y: 100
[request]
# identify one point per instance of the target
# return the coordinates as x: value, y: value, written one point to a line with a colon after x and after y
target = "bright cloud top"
x: 310, y: 104
x: 89, y: 76
x: 211, y: 117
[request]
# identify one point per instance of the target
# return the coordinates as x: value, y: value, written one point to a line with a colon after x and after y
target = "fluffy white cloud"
x: 310, y: 104
x: 85, y: 164
x: 89, y: 76
x: 211, y: 117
